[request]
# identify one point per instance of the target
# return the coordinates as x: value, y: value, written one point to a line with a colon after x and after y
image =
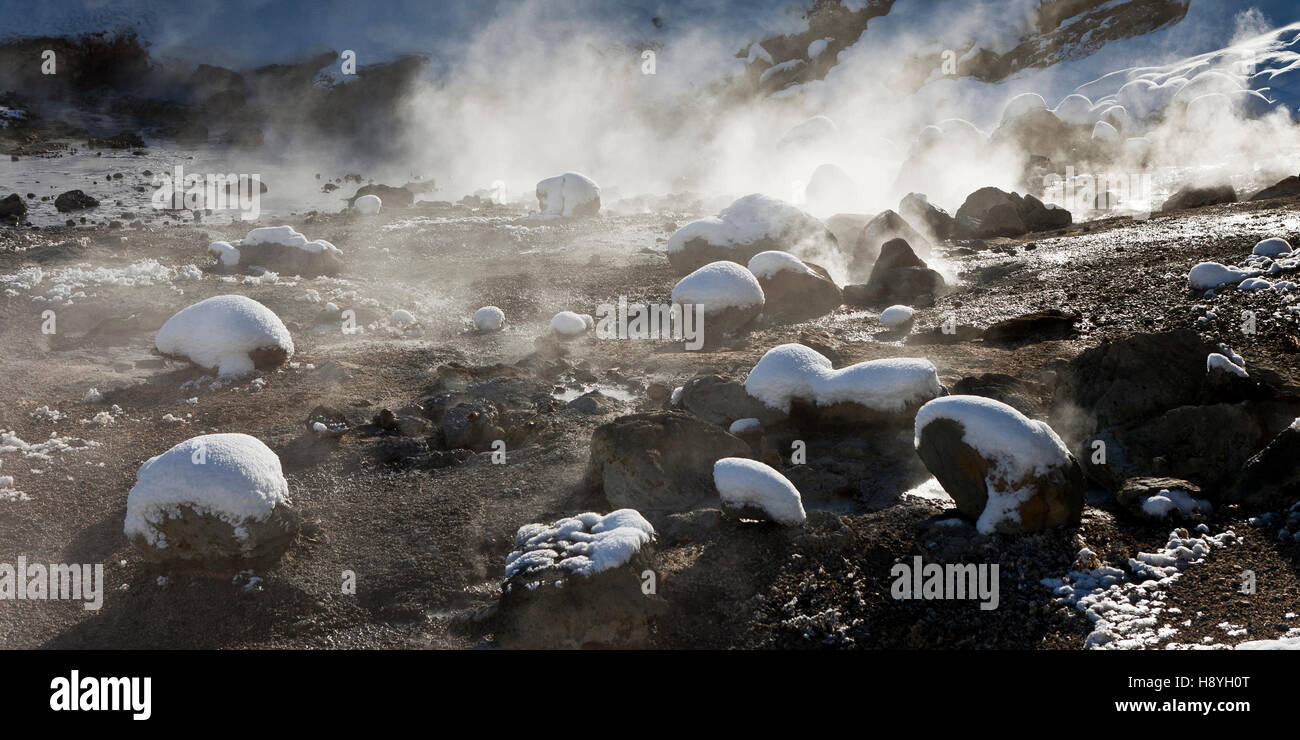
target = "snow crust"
x: 583, y: 545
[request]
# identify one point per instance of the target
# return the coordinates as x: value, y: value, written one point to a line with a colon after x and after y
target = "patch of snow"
x: 1208, y: 275
x: 583, y: 545
x: 1221, y: 363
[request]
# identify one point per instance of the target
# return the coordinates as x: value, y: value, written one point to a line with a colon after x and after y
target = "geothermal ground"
x: 427, y: 539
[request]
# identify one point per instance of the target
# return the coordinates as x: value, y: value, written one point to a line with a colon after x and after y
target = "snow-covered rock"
x: 567, y: 324
x: 1217, y: 363
x: 1273, y: 247
x: 1209, y: 275
x: 752, y: 490
x: 1075, y: 109
x: 212, y: 497
x: 793, y: 290
x: 1005, y: 471
x: 368, y: 205
x: 576, y: 583
x: 730, y: 294
x: 568, y: 195
x: 897, y: 318
x: 489, y: 318
x: 284, y: 249
x: 227, y: 254
x: 753, y: 224
x: 1022, y: 105
x: 231, y: 333
x: 402, y: 317
x: 793, y: 372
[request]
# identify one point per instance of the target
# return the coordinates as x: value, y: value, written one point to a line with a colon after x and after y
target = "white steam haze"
x: 525, y: 90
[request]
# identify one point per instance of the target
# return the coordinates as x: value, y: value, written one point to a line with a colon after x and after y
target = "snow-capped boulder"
x: 801, y: 382
x: 1273, y: 248
x: 231, y: 333
x: 490, y: 318
x: 214, y: 497
x: 576, y: 583
x: 368, y: 205
x: 568, y: 195
x: 570, y: 325
x: 225, y: 253
x: 755, y: 223
x: 751, y: 490
x: 1023, y: 105
x: 1219, y: 364
x: 659, y: 462
x: 897, y: 318
x: 732, y: 298
x: 793, y: 290
x: 402, y: 317
x: 898, y: 276
x: 283, y: 249
x: 1210, y: 275
x: 1007, y: 472
x: 1075, y: 109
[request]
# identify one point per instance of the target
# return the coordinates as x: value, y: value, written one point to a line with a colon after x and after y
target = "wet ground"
x: 427, y: 546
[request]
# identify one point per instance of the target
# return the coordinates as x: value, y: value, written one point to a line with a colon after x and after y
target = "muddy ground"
x: 427, y: 545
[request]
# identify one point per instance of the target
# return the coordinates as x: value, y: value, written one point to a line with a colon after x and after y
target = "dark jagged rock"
x: 1190, y: 196
x: 899, y: 276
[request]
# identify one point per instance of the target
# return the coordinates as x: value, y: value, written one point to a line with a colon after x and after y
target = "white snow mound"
x: 490, y: 318
x: 743, y: 482
x: 896, y: 317
x: 766, y: 264
x: 719, y: 285
x: 1207, y: 275
x: 570, y: 194
x: 238, y: 480
x: 747, y: 220
x: 569, y: 324
x: 792, y: 371
x: 368, y: 205
x: 1272, y: 247
x: 219, y: 332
